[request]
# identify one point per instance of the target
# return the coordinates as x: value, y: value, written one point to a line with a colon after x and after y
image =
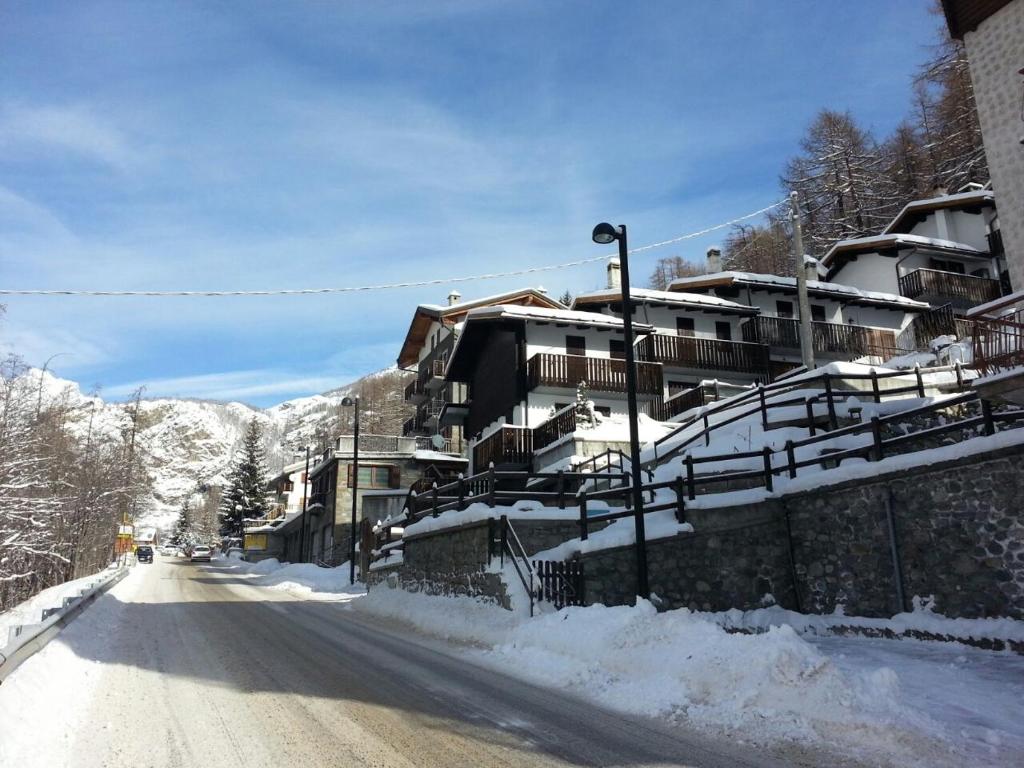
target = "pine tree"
x: 566, y: 298
x: 182, y: 526
x: 246, y: 494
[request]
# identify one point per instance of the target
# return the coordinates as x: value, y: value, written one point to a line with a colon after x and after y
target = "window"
x: 723, y: 331
x: 784, y: 309
x: 817, y: 313
x: 684, y: 326
x: 617, y: 349
x: 946, y: 266
x: 375, y: 476
x: 575, y: 345
x: 287, y: 485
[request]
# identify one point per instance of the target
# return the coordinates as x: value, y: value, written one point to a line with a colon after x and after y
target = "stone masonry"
x: 995, y: 52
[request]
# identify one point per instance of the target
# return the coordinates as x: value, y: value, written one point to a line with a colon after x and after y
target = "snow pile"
x: 771, y: 687
x: 31, y: 611
x: 300, y: 579
x: 923, y: 619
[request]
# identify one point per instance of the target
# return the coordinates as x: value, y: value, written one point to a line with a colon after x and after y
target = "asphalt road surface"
x: 207, y: 671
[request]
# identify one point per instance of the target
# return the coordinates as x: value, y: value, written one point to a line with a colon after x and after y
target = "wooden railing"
x: 600, y: 374
x: 829, y: 338
x: 413, y: 388
x: 960, y: 290
x: 998, y: 342
x: 767, y: 398
x: 705, y: 354
x: 561, y: 424
x: 507, y: 445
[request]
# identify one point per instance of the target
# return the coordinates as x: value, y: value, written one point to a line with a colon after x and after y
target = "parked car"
x: 144, y: 554
x: 201, y: 554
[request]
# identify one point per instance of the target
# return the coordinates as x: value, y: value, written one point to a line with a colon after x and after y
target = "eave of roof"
x: 416, y: 336
x: 697, y: 301
x: 960, y: 200
x: 896, y: 240
x: 834, y: 291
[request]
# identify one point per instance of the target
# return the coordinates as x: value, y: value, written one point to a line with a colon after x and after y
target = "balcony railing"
x: 507, y: 445
x: 835, y: 339
x: 962, y: 291
x: 705, y: 354
x: 558, y: 426
x: 600, y: 374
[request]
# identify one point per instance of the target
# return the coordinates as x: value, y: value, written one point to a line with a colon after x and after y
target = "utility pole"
x: 806, y: 332
x: 302, y: 524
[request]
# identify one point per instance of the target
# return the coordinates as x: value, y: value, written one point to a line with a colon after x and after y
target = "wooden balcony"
x: 705, y: 354
x: 414, y: 390
x: 830, y: 339
x: 600, y: 374
x: 558, y: 426
x: 506, y: 446
x: 962, y: 291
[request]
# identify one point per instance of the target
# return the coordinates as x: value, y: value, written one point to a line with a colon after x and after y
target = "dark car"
x: 144, y: 554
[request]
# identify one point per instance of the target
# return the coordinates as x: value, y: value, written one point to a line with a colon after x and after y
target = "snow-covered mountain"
x: 187, y: 442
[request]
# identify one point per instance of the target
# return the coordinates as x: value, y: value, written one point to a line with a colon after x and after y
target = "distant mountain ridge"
x: 188, y: 442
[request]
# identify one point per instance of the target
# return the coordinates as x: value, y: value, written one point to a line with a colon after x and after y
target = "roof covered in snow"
x: 699, y: 301
x: 453, y: 314
x: 834, y: 291
x: 891, y: 241
x: 546, y: 315
x: 914, y: 211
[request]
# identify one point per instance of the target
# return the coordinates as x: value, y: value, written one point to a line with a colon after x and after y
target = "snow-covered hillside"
x: 189, y: 442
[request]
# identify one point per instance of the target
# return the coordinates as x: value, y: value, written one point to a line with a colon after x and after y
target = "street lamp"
x: 604, y: 234
x: 353, y: 402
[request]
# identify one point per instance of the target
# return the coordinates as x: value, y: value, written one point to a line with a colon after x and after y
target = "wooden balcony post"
x: 791, y: 459
x: 690, y: 485
x: 766, y: 455
x: 680, y: 500
x: 876, y: 438
x: 920, y: 380
x: 874, y: 386
x: 583, y: 516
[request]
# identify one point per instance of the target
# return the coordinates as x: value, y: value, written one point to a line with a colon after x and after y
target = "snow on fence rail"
x: 766, y: 397
x: 24, y: 641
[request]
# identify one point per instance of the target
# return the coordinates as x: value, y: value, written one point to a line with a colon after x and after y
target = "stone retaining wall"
x: 958, y: 536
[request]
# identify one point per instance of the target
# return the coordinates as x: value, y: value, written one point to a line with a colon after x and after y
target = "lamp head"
x: 605, y: 233
x: 348, y: 402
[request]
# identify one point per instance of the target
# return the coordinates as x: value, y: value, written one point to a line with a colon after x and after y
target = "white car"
x: 201, y: 554
x: 168, y: 551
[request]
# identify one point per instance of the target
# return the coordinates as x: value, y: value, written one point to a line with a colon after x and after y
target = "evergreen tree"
x: 246, y: 494
x: 182, y: 526
x: 566, y: 298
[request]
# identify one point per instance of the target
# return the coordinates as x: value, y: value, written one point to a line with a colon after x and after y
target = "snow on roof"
x: 974, y: 197
x: 669, y: 297
x: 847, y: 291
x: 545, y: 315
x: 889, y: 240
x: 463, y: 305
x: 430, y: 455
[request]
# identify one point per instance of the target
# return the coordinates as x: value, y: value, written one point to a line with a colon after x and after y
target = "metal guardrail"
x: 24, y: 641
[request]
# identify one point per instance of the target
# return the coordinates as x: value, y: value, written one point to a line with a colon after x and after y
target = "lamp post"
x: 605, y: 234
x: 354, y: 490
x: 302, y: 525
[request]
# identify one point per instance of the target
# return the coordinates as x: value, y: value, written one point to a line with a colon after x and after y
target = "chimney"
x: 614, y: 276
x: 542, y: 289
x: 453, y: 297
x: 714, y: 260
x: 811, y: 268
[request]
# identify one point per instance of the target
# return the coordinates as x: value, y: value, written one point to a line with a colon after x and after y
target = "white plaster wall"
x: 912, y: 260
x: 996, y: 53
x: 551, y: 339
x: 870, y: 272
x: 968, y: 228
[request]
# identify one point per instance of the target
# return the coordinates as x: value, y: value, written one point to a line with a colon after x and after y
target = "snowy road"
x: 186, y: 665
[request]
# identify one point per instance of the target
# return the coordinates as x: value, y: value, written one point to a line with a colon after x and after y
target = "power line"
x: 389, y: 286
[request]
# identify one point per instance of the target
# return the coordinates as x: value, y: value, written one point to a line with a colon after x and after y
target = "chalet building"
x: 288, y: 488
x: 992, y: 31
x: 388, y: 467
x: 697, y: 339
x: 523, y: 366
x: 946, y: 250
x: 847, y: 323
x: 428, y: 346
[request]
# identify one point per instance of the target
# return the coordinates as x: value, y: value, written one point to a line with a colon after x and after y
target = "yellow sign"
x: 255, y: 541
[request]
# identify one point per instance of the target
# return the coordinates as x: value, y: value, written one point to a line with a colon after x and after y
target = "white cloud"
x: 75, y: 129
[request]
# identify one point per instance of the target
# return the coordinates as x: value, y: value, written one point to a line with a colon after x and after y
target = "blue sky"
x: 253, y: 145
